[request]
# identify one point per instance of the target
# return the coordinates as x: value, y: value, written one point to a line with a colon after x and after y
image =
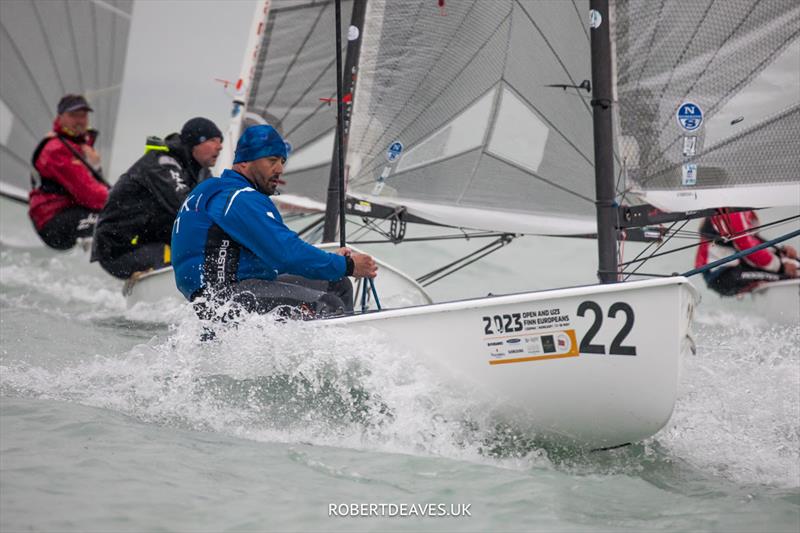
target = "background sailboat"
x: 48, y: 49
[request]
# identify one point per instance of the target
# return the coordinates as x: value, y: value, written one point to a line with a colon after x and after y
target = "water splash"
x: 738, y: 410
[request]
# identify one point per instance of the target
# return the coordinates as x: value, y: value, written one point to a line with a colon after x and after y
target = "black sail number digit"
x: 586, y: 342
x: 616, y: 345
x: 616, y: 348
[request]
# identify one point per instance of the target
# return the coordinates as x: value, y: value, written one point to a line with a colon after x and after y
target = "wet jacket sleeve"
x: 736, y: 223
x: 167, y: 184
x: 57, y: 162
x: 251, y: 219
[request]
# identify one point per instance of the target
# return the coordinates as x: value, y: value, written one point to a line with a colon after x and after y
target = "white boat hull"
x: 778, y: 301
x: 594, y: 366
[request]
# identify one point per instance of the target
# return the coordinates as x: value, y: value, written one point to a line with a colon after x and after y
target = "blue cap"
x: 260, y: 141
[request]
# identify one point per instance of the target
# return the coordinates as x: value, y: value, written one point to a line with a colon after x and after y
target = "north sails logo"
x: 222, y: 258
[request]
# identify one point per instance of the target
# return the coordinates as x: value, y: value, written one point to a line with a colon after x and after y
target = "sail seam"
x: 786, y: 112
x: 581, y: 23
x: 430, y: 71
x: 692, y: 86
x: 74, y: 47
x: 294, y: 59
x: 714, y: 107
x: 95, y: 49
x: 655, y: 27
x: 540, y: 178
x: 49, y: 47
x: 551, y: 124
x: 393, y: 69
x: 32, y: 78
x: 305, y: 93
x: 555, y: 54
x: 24, y: 163
x: 689, y: 44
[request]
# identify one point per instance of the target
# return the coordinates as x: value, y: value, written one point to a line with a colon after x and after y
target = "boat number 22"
x: 616, y: 348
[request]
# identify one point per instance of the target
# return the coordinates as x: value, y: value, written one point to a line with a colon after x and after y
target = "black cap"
x: 199, y: 130
x: 73, y: 102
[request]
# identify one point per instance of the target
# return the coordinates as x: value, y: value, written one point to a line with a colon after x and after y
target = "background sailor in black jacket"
x: 135, y: 226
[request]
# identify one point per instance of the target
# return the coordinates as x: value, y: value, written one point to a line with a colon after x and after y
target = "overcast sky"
x: 176, y: 49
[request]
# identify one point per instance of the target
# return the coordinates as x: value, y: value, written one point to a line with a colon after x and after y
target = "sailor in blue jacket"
x: 229, y: 241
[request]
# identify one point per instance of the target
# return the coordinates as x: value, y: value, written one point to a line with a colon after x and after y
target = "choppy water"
x: 121, y: 420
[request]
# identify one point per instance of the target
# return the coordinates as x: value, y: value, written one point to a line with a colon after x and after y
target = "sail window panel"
x: 505, y: 187
x: 521, y: 138
x: 532, y: 64
x: 518, y: 134
x: 441, y: 183
x: 409, y: 99
x: 464, y: 133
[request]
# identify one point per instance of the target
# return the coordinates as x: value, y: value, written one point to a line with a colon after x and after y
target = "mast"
x: 345, y: 85
x: 603, y: 142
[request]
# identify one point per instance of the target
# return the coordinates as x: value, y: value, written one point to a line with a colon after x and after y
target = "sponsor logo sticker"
x: 690, y: 116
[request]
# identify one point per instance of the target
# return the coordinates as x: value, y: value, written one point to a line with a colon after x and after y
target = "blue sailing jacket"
x: 226, y: 231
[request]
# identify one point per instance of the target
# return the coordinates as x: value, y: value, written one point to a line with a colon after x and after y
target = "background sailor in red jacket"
x: 68, y: 186
x: 731, y: 232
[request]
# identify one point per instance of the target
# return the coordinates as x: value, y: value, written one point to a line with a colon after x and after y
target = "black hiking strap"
x: 97, y: 175
x: 50, y: 185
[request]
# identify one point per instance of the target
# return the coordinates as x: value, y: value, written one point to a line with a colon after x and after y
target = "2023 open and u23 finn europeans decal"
x: 549, y: 333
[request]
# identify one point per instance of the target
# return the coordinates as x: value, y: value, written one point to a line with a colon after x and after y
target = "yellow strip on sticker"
x: 574, y: 351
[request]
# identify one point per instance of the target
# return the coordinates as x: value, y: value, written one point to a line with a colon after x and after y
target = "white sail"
x: 708, y: 101
x: 289, y: 82
x: 454, y: 122
x: 48, y: 49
